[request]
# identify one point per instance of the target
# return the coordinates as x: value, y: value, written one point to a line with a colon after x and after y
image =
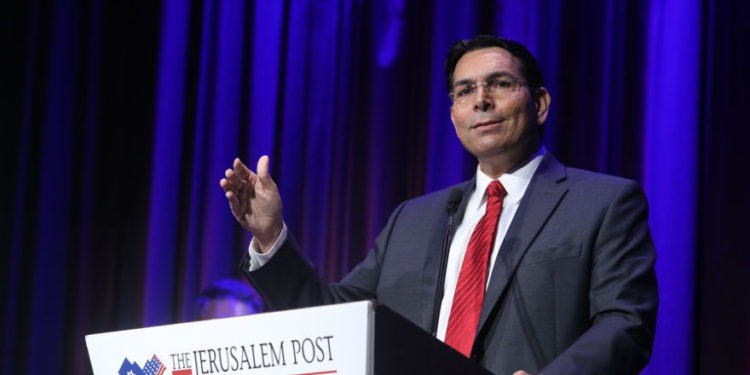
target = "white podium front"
x: 351, y: 338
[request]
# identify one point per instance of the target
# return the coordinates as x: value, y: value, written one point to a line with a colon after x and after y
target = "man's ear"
x: 543, y: 100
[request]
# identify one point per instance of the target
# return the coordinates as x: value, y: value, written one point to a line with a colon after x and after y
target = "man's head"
x: 226, y: 298
x: 529, y: 67
x: 499, y: 103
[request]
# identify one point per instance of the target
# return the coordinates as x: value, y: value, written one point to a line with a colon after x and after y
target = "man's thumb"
x: 262, y: 169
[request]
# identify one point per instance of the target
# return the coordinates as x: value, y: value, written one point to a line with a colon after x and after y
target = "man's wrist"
x: 265, y: 244
x: 257, y: 258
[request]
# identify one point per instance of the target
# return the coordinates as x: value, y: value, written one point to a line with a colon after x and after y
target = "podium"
x: 356, y: 338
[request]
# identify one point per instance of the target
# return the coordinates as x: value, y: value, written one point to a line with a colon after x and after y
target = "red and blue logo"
x: 153, y: 366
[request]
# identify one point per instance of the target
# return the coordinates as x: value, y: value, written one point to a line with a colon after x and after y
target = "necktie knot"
x: 496, y: 190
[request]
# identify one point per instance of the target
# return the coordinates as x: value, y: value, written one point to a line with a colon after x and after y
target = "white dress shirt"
x: 515, y: 184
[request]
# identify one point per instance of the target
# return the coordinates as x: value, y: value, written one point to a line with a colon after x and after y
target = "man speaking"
x: 530, y: 267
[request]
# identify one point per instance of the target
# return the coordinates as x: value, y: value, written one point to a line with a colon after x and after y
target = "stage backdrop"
x: 119, y: 118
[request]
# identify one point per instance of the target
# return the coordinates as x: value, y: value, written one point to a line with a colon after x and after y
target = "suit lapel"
x: 434, y: 253
x: 539, y: 202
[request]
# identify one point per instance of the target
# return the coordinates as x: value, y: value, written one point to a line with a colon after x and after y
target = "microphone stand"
x: 455, y: 199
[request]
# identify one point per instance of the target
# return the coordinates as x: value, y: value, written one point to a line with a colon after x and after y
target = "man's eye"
x: 502, y: 84
x: 464, y: 92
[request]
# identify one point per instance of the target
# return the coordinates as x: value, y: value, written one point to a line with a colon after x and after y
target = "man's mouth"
x: 486, y: 124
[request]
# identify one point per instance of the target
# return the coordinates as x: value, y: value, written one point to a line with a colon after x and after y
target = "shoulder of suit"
x: 437, y: 198
x: 588, y: 180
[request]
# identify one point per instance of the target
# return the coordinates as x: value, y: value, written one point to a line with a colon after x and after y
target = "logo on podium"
x: 153, y: 366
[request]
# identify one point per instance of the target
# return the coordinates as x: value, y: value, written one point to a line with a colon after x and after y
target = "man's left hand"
x: 521, y: 372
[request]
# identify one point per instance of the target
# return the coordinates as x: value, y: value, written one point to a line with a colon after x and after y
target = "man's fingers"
x: 241, y: 169
x: 234, y: 204
x: 227, y: 186
x: 251, y: 184
x: 521, y: 372
x: 234, y: 178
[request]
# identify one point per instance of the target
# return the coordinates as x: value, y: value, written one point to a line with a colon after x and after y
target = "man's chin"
x: 493, y: 149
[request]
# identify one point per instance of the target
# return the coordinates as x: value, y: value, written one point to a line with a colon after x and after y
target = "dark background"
x: 118, y: 119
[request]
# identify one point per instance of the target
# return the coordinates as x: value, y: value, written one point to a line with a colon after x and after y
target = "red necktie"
x: 470, y: 290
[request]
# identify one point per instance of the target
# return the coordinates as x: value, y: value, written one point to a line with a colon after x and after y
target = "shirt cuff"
x: 257, y: 259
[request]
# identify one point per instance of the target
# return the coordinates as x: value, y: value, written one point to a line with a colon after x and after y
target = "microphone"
x: 454, y: 200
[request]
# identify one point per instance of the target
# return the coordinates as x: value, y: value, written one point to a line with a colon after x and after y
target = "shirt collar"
x: 515, y: 182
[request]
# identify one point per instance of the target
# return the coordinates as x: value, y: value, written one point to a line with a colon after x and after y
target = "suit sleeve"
x: 623, y: 294
x: 289, y: 280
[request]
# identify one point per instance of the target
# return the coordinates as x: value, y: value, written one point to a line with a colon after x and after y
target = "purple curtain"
x: 119, y: 119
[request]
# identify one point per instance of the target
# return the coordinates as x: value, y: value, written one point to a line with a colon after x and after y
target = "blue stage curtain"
x: 119, y: 119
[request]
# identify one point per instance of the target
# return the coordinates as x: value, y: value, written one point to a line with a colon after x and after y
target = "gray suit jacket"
x: 573, y: 289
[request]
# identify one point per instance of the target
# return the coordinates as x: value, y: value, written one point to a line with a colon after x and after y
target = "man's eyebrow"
x: 463, y: 82
x: 497, y: 74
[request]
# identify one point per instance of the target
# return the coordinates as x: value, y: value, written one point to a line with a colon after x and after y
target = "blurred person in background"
x: 227, y: 298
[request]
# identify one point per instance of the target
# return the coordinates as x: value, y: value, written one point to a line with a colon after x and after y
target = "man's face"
x: 224, y: 308
x: 491, y: 125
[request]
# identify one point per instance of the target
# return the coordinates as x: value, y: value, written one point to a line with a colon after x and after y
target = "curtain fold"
x: 120, y: 120
x: 670, y: 171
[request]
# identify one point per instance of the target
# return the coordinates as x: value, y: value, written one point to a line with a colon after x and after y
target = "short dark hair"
x: 529, y: 66
x: 230, y: 288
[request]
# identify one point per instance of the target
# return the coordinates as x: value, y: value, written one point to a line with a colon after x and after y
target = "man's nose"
x: 483, y: 102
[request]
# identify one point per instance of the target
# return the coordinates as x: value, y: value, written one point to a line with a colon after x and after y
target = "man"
x: 227, y: 298
x: 547, y: 269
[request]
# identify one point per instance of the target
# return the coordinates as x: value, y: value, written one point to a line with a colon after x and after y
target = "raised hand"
x: 255, y: 201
